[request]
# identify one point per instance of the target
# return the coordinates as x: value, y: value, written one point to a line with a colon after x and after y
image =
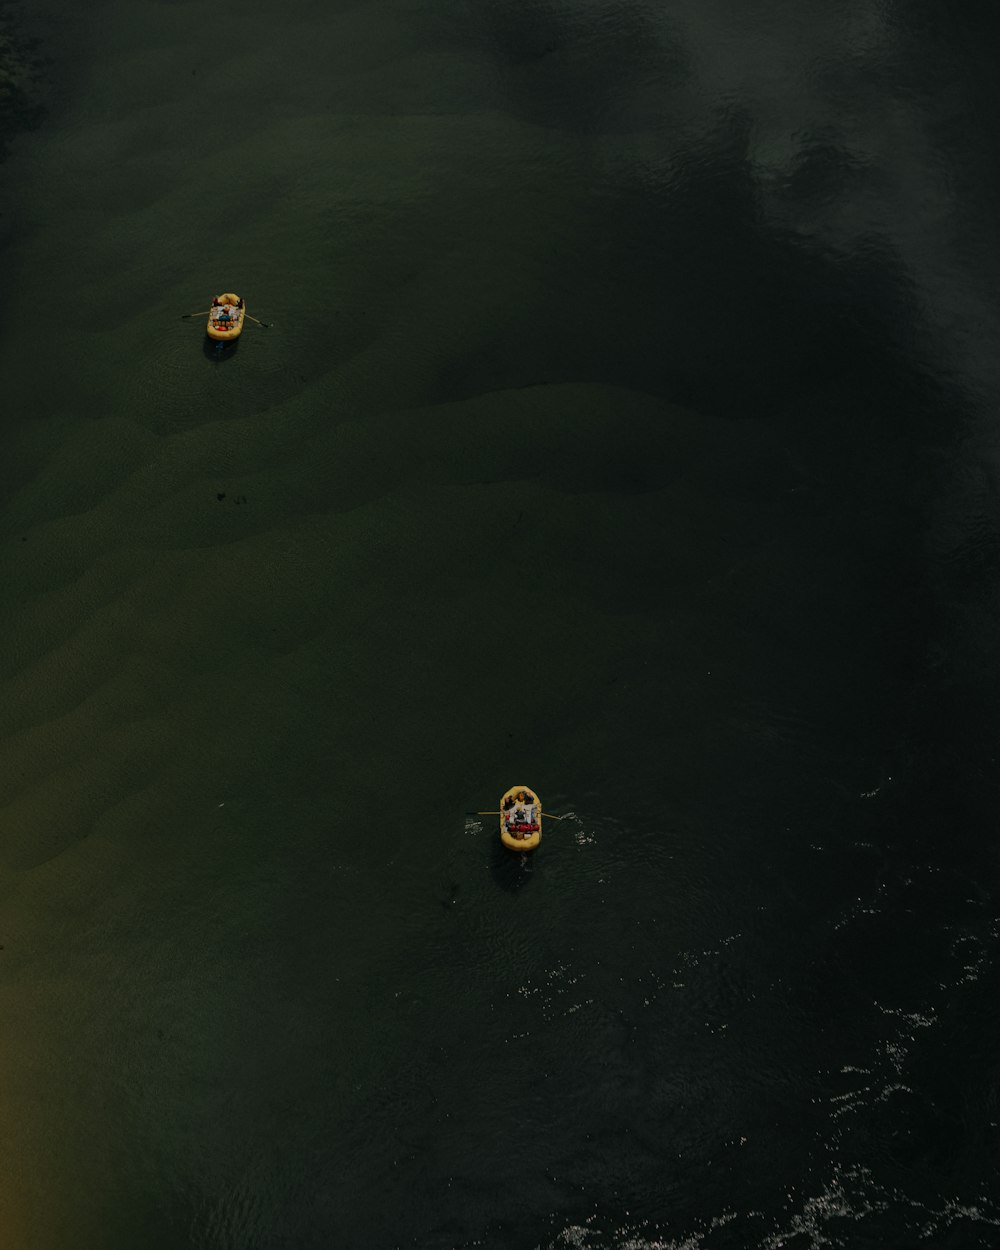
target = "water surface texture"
x: 625, y: 428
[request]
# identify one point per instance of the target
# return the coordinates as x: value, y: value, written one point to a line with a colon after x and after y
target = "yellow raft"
x: 521, y: 819
x: 226, y: 317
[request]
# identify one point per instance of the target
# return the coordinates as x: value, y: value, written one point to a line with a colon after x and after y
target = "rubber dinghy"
x: 521, y: 819
x: 226, y: 317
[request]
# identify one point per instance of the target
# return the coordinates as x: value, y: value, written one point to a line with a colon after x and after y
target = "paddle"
x: 547, y: 815
x: 206, y: 311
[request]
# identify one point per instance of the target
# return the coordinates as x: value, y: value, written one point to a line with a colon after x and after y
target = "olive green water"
x: 272, y: 624
x: 541, y: 474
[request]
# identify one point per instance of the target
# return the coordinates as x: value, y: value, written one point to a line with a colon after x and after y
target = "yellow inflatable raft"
x: 521, y: 819
x: 226, y: 317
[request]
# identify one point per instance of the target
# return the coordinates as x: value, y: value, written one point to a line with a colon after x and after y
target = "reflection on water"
x: 217, y: 352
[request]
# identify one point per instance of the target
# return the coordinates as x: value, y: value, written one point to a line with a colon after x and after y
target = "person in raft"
x: 521, y: 822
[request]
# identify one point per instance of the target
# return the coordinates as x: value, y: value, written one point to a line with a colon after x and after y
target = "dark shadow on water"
x: 511, y: 870
x: 217, y: 352
x: 21, y: 69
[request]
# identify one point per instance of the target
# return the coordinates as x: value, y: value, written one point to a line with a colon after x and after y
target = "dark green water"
x: 625, y: 428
